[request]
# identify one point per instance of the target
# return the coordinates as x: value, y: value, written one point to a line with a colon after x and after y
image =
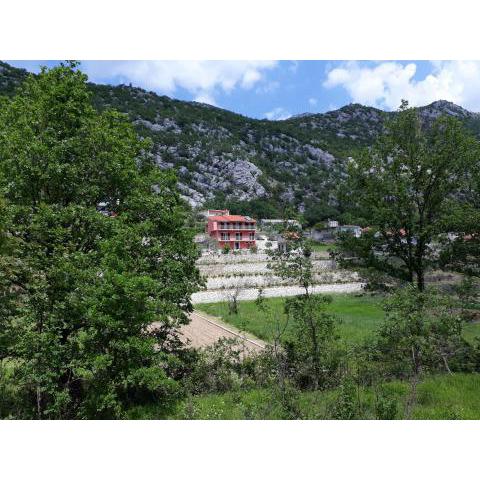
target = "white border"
x: 239, y: 29
x: 247, y: 29
x: 238, y: 450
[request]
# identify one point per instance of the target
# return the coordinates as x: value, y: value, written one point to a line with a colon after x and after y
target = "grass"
x: 439, y: 397
x: 471, y: 330
x: 358, y: 316
x: 321, y: 247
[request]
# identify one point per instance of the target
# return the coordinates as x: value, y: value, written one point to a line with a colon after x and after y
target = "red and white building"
x: 236, y: 231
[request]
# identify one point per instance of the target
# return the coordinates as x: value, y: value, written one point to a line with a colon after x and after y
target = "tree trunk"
x: 421, y: 280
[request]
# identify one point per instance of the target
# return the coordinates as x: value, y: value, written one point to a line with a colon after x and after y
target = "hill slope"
x: 222, y: 155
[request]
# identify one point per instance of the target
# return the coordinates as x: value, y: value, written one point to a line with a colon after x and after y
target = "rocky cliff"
x: 220, y: 154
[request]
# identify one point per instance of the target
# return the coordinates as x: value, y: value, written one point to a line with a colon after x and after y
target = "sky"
x: 279, y: 89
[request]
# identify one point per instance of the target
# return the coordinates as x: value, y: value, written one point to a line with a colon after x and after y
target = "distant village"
x: 227, y: 233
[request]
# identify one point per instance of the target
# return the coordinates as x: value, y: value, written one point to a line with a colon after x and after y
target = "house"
x: 213, y: 213
x: 331, y: 231
x: 278, y: 223
x: 210, y: 213
x: 236, y: 231
x: 325, y: 235
x: 355, y: 230
x: 332, y: 224
x: 266, y: 242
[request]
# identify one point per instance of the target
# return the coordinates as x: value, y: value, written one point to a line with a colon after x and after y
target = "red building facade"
x: 236, y: 231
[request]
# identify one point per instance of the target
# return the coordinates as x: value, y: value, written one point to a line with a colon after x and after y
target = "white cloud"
x: 201, y: 78
x: 205, y: 97
x: 278, y: 113
x: 384, y: 85
x: 268, y: 87
x: 312, y: 101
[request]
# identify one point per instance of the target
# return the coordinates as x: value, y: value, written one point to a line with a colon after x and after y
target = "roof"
x: 231, y: 218
x: 279, y: 220
x: 219, y: 211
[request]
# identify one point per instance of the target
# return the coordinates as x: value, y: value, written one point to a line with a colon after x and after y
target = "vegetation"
x: 97, y: 263
x: 407, y: 190
x: 321, y: 247
x: 440, y: 397
x: 357, y: 317
x: 82, y: 286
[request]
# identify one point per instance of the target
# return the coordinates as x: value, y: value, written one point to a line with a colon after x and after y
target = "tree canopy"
x: 407, y: 190
x: 99, y: 269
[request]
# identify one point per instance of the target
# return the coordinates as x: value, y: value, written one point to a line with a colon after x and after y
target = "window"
x: 238, y: 236
x: 251, y: 236
x: 225, y: 236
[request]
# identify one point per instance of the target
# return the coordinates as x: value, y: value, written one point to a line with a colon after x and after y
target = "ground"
x: 440, y: 396
x: 358, y: 316
x: 446, y: 397
x: 322, y: 247
x: 204, y: 330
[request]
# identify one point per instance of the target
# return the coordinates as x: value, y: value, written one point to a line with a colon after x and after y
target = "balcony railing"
x: 233, y: 239
x: 236, y: 228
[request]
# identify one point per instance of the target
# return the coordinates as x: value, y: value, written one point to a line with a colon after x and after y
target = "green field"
x: 471, y: 331
x: 439, y: 397
x: 321, y: 247
x: 358, y: 317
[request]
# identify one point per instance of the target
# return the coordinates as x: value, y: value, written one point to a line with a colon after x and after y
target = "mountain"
x: 222, y: 157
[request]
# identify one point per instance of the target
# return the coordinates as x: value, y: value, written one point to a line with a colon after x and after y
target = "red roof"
x: 231, y: 218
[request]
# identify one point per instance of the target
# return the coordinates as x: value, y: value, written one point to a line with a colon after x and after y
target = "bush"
x: 218, y: 368
x: 385, y: 405
x: 345, y: 405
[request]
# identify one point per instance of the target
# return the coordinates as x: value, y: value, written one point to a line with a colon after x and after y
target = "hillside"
x: 223, y: 157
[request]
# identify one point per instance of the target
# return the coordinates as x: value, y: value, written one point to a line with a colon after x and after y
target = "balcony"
x: 231, y: 227
x: 234, y: 239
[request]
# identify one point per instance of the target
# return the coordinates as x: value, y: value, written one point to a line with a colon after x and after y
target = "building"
x: 332, y: 223
x: 330, y: 233
x: 236, y: 231
x: 354, y: 230
x: 278, y: 222
x: 213, y: 213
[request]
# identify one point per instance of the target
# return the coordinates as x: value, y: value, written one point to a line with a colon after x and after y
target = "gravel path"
x: 213, y: 296
x: 204, y: 330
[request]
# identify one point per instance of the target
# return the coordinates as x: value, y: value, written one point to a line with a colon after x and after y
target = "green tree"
x: 461, y: 251
x: 405, y: 188
x: 103, y: 267
x: 421, y: 333
x: 311, y: 348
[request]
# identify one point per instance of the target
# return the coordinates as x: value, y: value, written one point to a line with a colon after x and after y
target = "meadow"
x: 358, y: 317
x: 440, y: 397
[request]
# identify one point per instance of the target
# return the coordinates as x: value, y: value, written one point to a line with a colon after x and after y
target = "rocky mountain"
x: 223, y: 157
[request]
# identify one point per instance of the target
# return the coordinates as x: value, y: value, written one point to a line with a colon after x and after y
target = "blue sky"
x: 279, y: 89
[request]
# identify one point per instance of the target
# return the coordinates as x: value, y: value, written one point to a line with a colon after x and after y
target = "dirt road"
x: 205, y: 330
